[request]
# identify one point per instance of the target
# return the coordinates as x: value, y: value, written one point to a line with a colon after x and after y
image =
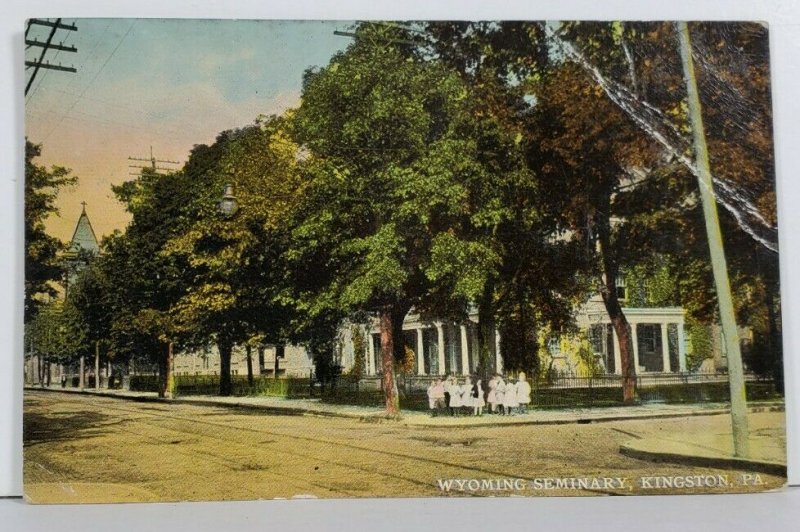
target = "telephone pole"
x: 45, y: 46
x: 154, y: 165
x: 741, y: 440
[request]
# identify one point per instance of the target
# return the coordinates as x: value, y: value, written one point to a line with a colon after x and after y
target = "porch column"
x: 81, y: 381
x: 617, y: 353
x: 420, y: 354
x: 464, y: 351
x: 474, y: 352
x: 440, y: 353
x: 681, y: 348
x: 498, y: 360
x: 665, y: 348
x: 370, y: 354
x: 635, y: 340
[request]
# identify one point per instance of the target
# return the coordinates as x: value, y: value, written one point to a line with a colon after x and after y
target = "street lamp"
x: 228, y: 205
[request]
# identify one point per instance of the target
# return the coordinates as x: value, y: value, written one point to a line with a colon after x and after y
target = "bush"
x: 209, y: 385
x: 144, y: 383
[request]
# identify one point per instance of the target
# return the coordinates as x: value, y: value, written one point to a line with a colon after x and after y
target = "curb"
x: 718, y: 462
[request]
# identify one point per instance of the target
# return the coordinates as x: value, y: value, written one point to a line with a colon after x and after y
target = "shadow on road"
x: 39, y: 426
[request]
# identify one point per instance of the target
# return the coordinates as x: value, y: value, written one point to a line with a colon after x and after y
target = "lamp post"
x: 228, y: 205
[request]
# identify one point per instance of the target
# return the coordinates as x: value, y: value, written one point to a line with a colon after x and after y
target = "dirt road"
x: 93, y: 449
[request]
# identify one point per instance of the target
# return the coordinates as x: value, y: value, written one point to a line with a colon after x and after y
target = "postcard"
x: 328, y: 259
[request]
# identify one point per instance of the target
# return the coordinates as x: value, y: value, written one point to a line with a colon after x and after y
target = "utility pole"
x: 741, y: 441
x: 154, y: 164
x: 45, y: 46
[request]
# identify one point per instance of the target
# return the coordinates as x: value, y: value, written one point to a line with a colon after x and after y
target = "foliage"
x: 49, y: 334
x: 42, y: 266
x: 391, y: 150
x: 574, y: 347
x: 233, y: 295
x: 359, y: 340
x: 701, y: 344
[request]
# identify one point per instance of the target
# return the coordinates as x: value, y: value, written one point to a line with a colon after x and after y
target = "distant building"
x: 294, y: 362
x: 81, y: 249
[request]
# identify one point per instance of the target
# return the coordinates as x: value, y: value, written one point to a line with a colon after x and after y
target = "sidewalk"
x: 767, y: 451
x: 315, y: 407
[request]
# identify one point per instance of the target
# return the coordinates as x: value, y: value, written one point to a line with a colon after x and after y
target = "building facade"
x: 442, y: 348
x: 291, y: 361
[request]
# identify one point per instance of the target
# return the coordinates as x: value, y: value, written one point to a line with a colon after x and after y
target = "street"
x: 80, y: 448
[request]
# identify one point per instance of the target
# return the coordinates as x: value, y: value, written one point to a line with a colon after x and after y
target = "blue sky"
x: 169, y: 83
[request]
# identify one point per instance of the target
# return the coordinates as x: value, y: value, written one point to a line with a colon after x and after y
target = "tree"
x: 390, y: 151
x: 42, y: 266
x: 233, y: 294
x: 48, y: 337
x: 144, y: 282
x: 86, y: 313
x: 540, y: 276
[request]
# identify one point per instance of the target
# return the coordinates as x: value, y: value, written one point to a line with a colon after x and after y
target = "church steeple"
x: 84, y: 239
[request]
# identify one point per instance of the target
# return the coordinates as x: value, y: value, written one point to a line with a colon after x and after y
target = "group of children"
x: 468, y: 397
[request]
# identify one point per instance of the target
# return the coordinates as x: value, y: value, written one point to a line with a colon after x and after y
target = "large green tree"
x: 234, y: 293
x: 146, y: 284
x: 392, y: 146
x: 42, y: 263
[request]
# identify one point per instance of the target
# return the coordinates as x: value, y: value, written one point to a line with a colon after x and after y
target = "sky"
x: 165, y: 83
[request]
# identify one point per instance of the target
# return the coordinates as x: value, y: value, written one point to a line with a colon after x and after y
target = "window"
x: 621, y: 287
x: 554, y: 346
x: 597, y: 337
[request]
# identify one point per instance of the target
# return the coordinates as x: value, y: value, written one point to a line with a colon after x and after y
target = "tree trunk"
x: 248, y: 349
x: 162, y: 373
x: 165, y: 379
x: 169, y: 392
x: 486, y: 331
x: 225, y: 347
x: 622, y: 328
x: 610, y: 270
x: 387, y: 361
x: 97, y: 364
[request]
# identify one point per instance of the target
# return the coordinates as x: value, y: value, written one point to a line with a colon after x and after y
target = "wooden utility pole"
x: 719, y: 266
x: 45, y: 46
x: 154, y: 164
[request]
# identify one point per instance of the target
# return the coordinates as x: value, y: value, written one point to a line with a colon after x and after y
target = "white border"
x: 782, y: 16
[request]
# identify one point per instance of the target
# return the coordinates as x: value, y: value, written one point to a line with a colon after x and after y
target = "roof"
x: 84, y: 238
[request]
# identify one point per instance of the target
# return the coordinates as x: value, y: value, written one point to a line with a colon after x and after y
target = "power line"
x: 86, y: 88
x: 153, y: 164
x: 40, y: 63
x: 44, y: 76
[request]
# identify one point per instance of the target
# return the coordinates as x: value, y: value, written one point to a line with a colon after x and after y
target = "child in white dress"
x: 466, y: 396
x: 499, y: 394
x: 478, y: 401
x: 455, y: 398
x: 510, y: 397
x: 523, y: 393
x: 491, y: 398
